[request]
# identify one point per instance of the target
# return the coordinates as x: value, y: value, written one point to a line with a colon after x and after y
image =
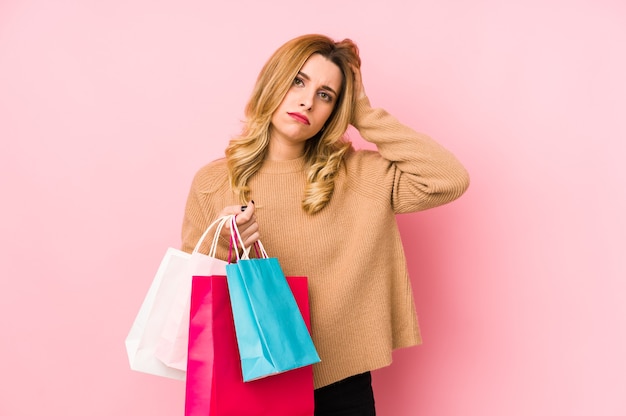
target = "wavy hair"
x: 324, y: 152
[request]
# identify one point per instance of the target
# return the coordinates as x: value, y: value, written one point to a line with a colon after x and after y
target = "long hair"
x: 324, y: 152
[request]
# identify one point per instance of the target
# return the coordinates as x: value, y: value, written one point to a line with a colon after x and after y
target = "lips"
x: 299, y: 117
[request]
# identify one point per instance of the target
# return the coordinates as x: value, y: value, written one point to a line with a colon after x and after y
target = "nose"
x: 306, y: 100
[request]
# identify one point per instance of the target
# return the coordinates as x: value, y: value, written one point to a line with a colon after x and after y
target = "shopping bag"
x: 271, y: 333
x: 214, y: 384
x: 157, y: 341
x: 171, y: 348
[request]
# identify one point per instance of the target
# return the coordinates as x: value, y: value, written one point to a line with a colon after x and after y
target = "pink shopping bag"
x: 214, y: 384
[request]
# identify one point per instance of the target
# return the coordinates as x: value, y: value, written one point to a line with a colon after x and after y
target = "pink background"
x: 108, y: 108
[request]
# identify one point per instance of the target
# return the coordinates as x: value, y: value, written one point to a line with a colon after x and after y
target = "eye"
x: 298, y: 82
x: 325, y: 96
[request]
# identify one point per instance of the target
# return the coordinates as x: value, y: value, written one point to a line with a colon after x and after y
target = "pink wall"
x: 108, y: 108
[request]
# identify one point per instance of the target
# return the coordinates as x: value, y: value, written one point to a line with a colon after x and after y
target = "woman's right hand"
x: 246, y: 223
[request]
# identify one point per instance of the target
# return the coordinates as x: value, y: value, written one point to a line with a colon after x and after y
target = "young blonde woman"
x: 327, y: 211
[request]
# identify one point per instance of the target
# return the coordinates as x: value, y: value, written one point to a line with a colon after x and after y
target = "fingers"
x: 248, y: 227
x: 250, y: 235
x: 231, y: 210
x: 246, y: 223
x: 359, y: 89
x: 245, y: 214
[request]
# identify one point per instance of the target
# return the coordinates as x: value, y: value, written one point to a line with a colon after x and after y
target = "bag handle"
x: 220, y: 224
x: 235, y: 237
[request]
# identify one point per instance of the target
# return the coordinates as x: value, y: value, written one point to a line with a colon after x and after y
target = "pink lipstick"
x: 300, y: 117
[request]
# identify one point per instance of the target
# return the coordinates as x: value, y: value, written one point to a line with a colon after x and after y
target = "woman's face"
x: 306, y: 106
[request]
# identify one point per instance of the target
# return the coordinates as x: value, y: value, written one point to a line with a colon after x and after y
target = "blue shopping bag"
x: 271, y: 334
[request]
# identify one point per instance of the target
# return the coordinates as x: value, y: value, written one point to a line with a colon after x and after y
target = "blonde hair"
x: 325, y: 151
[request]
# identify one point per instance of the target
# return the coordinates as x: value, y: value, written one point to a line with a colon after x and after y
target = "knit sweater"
x: 360, y: 294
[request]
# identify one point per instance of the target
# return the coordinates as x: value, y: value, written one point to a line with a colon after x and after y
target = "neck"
x: 282, y: 151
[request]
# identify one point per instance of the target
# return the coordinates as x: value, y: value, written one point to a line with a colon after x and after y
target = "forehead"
x: 323, y: 71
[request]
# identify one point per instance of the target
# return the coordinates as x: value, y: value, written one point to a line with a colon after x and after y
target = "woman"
x: 327, y: 211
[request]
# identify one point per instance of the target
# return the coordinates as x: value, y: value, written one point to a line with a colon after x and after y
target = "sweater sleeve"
x: 195, y: 219
x: 201, y: 210
x: 422, y: 174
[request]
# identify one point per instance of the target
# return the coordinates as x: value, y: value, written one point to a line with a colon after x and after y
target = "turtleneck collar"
x: 283, y: 166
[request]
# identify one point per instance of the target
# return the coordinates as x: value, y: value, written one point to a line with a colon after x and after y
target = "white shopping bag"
x: 157, y: 341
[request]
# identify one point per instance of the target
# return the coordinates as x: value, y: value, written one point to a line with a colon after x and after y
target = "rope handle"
x: 220, y: 225
x: 236, y: 240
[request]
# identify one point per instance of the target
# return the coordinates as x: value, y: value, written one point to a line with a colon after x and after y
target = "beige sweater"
x: 360, y: 294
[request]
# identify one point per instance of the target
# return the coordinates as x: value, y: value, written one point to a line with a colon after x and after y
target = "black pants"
x: 352, y: 396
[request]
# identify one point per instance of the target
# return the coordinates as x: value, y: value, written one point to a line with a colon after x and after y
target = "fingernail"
x: 243, y: 208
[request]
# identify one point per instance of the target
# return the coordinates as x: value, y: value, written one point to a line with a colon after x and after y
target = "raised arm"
x: 422, y: 173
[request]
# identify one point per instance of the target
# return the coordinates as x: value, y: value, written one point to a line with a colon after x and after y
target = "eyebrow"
x: 324, y: 87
